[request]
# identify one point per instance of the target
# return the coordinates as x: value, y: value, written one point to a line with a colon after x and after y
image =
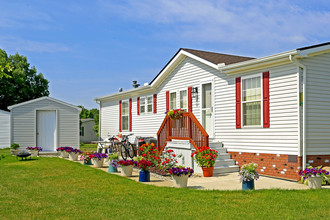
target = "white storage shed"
x: 45, y: 122
x: 4, y: 129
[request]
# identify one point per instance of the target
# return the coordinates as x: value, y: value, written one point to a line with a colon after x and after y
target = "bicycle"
x: 113, y: 147
x: 126, y: 147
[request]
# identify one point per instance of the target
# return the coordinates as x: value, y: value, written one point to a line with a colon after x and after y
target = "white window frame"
x: 261, y: 101
x: 142, y: 104
x: 152, y: 104
x: 145, y: 104
x: 186, y: 109
x: 122, y: 121
x: 176, y: 100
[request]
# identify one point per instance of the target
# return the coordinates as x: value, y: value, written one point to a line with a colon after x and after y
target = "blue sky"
x: 91, y: 48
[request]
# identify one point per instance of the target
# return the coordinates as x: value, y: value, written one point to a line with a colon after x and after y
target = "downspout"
x: 99, y: 119
x: 293, y: 60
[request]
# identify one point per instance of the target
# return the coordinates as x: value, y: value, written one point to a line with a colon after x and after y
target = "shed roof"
x: 44, y: 98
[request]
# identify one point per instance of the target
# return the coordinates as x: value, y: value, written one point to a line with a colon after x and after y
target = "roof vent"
x: 135, y: 85
x: 145, y: 84
x: 120, y: 89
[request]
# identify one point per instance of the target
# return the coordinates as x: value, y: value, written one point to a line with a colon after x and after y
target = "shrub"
x: 14, y: 146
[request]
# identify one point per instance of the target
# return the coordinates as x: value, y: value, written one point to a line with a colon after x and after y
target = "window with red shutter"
x: 130, y: 114
x: 265, y: 85
x: 167, y: 100
x: 120, y: 116
x: 189, y: 99
x: 238, y: 102
x: 155, y: 103
x: 138, y: 105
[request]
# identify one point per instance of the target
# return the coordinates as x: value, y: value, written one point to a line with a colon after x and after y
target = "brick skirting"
x: 279, y: 165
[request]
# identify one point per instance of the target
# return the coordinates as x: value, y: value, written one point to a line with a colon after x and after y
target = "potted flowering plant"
x: 150, y: 152
x: 314, y: 176
x: 180, y: 175
x: 113, y: 160
x: 74, y: 153
x: 144, y: 175
x: 86, y: 157
x: 175, y: 113
x: 168, y: 159
x: 248, y: 174
x: 126, y: 167
x: 205, y: 157
x: 34, y: 151
x: 98, y: 159
x: 14, y: 148
x: 64, y: 151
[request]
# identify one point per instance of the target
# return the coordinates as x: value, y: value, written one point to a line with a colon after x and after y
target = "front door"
x: 207, y: 108
x: 46, y: 129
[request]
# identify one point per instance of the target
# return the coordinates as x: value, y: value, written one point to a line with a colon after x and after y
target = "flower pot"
x: 34, y: 153
x: 144, y: 176
x: 314, y: 182
x: 87, y: 162
x: 180, y: 181
x: 73, y: 156
x: 112, y: 169
x: 246, y: 185
x: 207, y: 171
x: 98, y: 163
x: 64, y: 154
x: 126, y: 170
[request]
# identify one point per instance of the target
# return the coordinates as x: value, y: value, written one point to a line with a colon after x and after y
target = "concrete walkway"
x: 228, y: 181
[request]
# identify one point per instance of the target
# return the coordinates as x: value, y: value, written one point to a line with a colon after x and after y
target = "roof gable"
x: 44, y: 98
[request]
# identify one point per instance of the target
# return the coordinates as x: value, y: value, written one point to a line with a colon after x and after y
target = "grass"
x: 88, y: 147
x: 54, y: 188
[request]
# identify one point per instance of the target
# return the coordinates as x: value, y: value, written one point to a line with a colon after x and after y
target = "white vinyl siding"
x: 23, y: 123
x: 280, y: 138
x: 4, y: 129
x: 318, y: 104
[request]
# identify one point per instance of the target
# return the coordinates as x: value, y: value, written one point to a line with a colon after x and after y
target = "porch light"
x: 194, y: 90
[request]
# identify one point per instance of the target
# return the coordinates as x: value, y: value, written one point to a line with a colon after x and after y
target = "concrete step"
x: 223, y: 156
x: 53, y: 153
x: 226, y: 169
x: 215, y: 144
x: 221, y: 150
x: 226, y: 162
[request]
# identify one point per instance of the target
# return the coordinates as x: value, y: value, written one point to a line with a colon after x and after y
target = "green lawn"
x: 88, y: 147
x: 54, y: 188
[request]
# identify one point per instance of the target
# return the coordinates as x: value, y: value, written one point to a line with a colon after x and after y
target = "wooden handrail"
x: 185, y: 128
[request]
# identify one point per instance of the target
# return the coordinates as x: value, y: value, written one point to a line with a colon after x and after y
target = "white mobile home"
x: 272, y: 110
x: 45, y: 122
x: 4, y: 129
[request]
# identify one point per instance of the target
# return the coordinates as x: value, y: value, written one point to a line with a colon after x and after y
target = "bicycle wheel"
x: 123, y: 152
x: 130, y: 150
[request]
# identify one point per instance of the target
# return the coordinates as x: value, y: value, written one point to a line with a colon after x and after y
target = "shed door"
x: 46, y: 129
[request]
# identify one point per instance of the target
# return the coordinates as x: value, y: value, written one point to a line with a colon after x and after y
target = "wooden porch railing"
x: 185, y: 128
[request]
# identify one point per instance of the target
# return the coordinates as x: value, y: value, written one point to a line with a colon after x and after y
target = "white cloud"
x: 17, y: 44
x: 266, y: 24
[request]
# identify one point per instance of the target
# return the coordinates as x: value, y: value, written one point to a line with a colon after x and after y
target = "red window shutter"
x: 130, y: 114
x: 167, y: 100
x: 138, y: 105
x: 189, y: 99
x: 238, y: 102
x: 119, y: 115
x: 155, y: 103
x: 265, y: 86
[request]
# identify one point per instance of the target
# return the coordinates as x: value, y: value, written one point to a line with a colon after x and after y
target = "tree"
x: 18, y: 81
x: 92, y: 113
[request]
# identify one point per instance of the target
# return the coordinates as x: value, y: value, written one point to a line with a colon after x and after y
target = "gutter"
x: 297, y: 63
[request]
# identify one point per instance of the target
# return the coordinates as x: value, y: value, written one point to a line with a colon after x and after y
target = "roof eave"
x: 258, y: 63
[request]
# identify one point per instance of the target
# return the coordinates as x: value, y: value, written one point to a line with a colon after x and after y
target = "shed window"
x: 124, y: 115
x: 251, y: 101
x: 82, y: 131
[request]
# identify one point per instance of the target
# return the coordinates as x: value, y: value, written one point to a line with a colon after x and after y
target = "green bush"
x: 14, y: 146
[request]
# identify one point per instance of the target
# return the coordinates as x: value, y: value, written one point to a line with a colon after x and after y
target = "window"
x: 124, y: 116
x: 82, y: 131
x: 251, y: 101
x: 149, y: 103
x: 172, y: 100
x: 183, y: 100
x: 142, y: 105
